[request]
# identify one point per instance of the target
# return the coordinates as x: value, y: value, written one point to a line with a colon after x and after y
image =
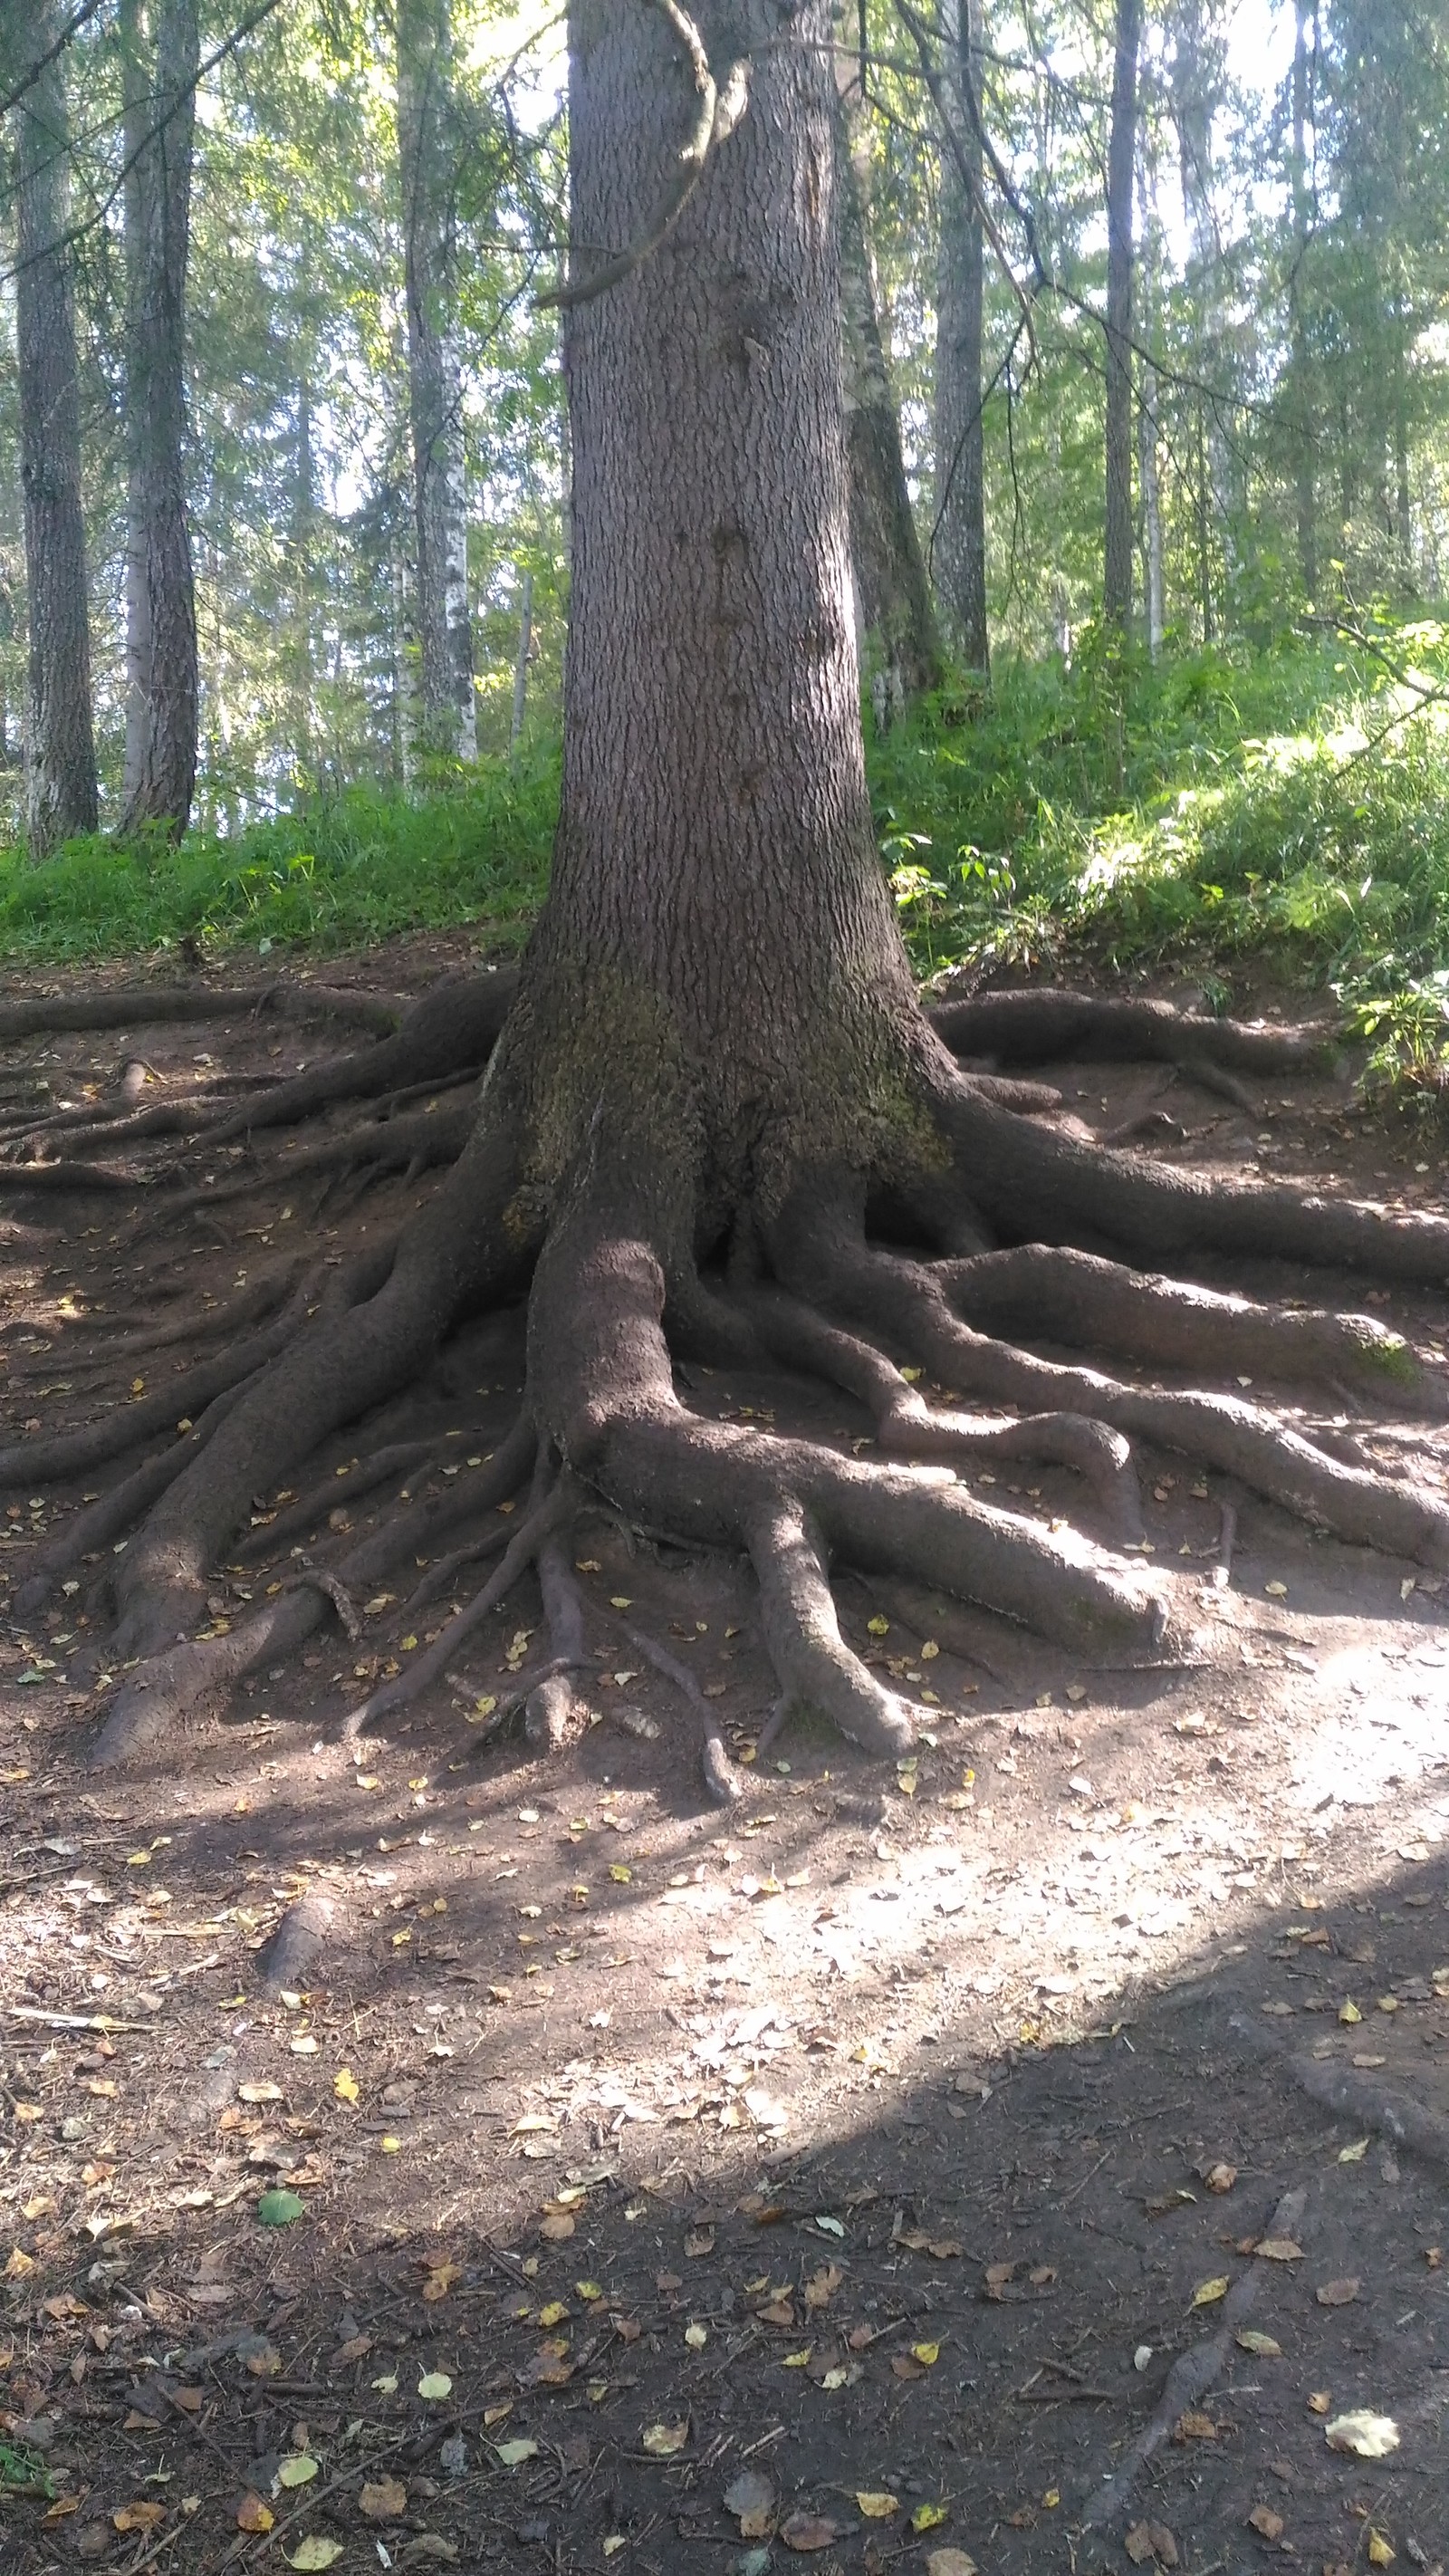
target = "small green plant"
x: 23, y: 2472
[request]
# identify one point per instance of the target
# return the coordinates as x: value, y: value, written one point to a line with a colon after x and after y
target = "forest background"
x: 1154, y: 666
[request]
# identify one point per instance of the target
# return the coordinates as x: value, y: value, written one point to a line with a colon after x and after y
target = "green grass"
x: 1230, y: 806
x: 340, y: 872
x: 1233, y: 804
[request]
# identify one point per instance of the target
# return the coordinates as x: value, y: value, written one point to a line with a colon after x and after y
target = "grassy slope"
x: 1233, y: 813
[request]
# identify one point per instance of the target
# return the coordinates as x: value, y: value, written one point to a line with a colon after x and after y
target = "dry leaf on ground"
x: 751, y: 2499
x: 808, y: 2531
x: 1366, y: 2435
x: 1151, y: 2541
x: 383, y: 2499
x: 661, y: 2441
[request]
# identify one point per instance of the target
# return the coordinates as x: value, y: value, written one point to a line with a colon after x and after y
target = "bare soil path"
x: 886, y: 2155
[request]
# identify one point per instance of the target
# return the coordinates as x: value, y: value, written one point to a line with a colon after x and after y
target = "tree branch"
x: 78, y: 19
x: 89, y: 223
x: 719, y: 112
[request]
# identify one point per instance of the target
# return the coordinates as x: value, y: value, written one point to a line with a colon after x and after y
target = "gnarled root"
x: 820, y: 1247
x: 600, y: 1369
x: 389, y: 1317
x: 805, y: 1282
x: 1037, y: 1027
x: 1059, y: 1295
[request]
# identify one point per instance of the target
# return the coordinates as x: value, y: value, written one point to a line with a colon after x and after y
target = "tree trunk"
x: 1299, y: 366
x: 893, y: 593
x: 428, y: 151
x: 61, y: 795
x: 299, y: 550
x: 1151, y: 509
x: 1403, y: 498
x: 717, y: 921
x: 162, y: 50
x: 520, y: 667
x: 1121, y: 157
x: 958, y: 552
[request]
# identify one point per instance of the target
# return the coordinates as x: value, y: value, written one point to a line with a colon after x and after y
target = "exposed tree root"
x: 276, y: 1529
x: 130, y: 1006
x: 552, y: 1703
x: 1073, y: 1297
x: 1038, y: 1027
x: 806, y: 1283
x: 195, y: 1675
x: 549, y: 1510
x: 127, y: 1425
x: 409, y: 1144
x: 454, y: 1027
x: 1041, y: 1186
x: 822, y: 1251
x: 907, y: 1424
x: 98, y: 1525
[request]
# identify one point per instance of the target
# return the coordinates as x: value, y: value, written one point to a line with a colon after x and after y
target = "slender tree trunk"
x: 61, y: 770
x: 1151, y: 509
x: 520, y: 667
x: 428, y: 148
x: 958, y: 552
x: 299, y: 548
x: 1299, y: 364
x: 162, y: 49
x: 1121, y: 157
x: 892, y: 591
x: 1403, y: 502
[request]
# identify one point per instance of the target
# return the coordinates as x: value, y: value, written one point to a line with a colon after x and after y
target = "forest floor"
x: 458, y: 2158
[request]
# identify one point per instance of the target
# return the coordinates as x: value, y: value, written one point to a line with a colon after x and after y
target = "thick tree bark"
x: 428, y: 151
x: 958, y: 552
x: 1121, y: 159
x: 894, y: 596
x: 162, y: 48
x: 61, y: 772
x: 717, y: 934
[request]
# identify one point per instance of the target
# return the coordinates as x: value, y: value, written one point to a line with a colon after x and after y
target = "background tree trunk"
x: 428, y: 151
x: 1121, y: 158
x: 1302, y: 390
x: 520, y: 667
x: 162, y: 49
x: 61, y: 773
x: 301, y: 541
x: 958, y: 553
x: 892, y: 590
x: 1151, y: 509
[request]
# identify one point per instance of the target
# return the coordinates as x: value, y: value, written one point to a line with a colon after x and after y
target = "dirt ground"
x: 446, y: 2157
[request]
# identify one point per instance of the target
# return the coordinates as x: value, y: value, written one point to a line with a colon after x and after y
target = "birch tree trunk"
x: 1121, y: 159
x: 162, y: 50
x: 958, y: 553
x: 61, y: 795
x: 428, y: 149
x: 892, y: 592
